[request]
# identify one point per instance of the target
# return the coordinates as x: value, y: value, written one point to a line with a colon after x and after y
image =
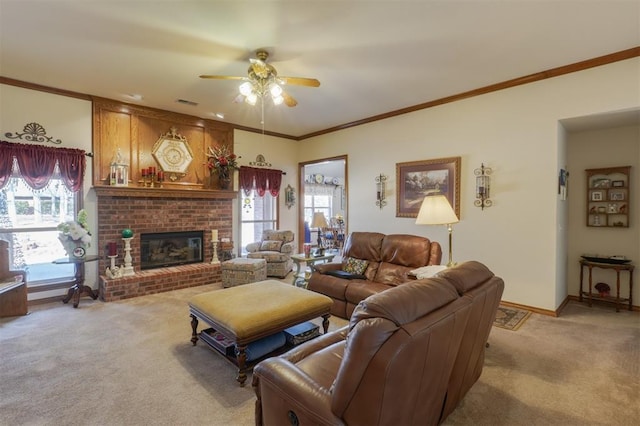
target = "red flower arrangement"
x: 220, y: 160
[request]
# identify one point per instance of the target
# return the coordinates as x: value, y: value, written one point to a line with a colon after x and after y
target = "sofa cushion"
x: 406, y: 250
x: 355, y: 266
x: 364, y: 245
x: 277, y: 235
x: 331, y: 286
x: 358, y: 290
x: 271, y: 245
x: 392, y: 274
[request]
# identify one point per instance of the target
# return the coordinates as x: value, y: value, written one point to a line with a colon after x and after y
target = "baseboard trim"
x: 529, y: 308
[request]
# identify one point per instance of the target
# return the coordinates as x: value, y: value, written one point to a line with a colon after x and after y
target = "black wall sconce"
x: 483, y: 187
x: 381, y: 189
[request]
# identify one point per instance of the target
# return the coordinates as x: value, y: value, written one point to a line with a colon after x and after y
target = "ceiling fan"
x: 263, y: 80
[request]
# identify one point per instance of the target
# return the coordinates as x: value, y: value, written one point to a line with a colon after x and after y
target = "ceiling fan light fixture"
x: 246, y: 88
x: 251, y: 98
x: 276, y: 91
x: 277, y: 100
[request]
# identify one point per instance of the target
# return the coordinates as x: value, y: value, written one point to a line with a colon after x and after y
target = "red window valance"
x: 37, y: 164
x: 262, y: 180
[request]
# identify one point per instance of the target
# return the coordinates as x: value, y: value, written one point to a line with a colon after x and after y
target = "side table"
x: 78, y: 288
x: 300, y: 278
x: 616, y: 267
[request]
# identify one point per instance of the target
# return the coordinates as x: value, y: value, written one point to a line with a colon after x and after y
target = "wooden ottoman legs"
x: 241, y: 352
x: 194, y: 327
x: 241, y: 359
x: 325, y: 322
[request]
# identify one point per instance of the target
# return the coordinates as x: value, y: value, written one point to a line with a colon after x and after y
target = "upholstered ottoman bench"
x: 251, y: 312
x: 243, y: 271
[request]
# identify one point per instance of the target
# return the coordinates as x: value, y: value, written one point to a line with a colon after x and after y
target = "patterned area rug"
x: 510, y: 318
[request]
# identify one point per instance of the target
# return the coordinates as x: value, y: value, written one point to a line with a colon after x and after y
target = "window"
x: 28, y: 221
x: 317, y: 203
x: 256, y: 215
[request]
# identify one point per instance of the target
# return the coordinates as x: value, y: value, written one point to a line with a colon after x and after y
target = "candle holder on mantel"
x: 127, y: 269
x: 215, y: 259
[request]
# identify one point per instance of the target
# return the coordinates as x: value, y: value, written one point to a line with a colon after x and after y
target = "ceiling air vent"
x: 186, y: 102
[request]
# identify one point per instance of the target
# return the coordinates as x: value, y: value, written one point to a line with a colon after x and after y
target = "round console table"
x: 78, y: 288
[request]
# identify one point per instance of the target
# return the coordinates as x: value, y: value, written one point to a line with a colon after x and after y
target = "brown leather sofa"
x: 390, y: 259
x: 407, y: 357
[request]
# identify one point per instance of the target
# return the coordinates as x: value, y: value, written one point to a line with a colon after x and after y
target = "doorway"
x: 323, y: 190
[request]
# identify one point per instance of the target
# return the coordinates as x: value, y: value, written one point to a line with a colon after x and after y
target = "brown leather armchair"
x: 403, y: 353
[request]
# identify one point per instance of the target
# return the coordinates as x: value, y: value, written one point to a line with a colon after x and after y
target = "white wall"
x: 612, y: 147
x: 64, y: 118
x: 513, y: 131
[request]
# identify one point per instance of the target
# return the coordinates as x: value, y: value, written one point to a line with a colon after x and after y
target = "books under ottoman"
x: 249, y: 313
x: 301, y: 333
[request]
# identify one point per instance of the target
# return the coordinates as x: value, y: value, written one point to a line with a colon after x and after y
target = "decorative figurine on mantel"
x: 118, y: 171
x: 127, y: 236
x: 173, y: 154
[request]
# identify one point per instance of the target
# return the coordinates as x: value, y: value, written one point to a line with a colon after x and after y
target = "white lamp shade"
x: 319, y: 221
x: 251, y: 99
x: 436, y: 210
x: 275, y: 90
x: 246, y: 88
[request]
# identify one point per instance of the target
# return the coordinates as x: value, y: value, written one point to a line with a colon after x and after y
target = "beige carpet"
x: 131, y: 363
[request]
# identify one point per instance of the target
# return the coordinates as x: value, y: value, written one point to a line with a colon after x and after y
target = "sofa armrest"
x: 285, y: 389
x: 253, y: 247
x: 324, y: 267
x: 287, y: 248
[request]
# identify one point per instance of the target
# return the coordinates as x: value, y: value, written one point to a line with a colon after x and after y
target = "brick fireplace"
x: 147, y: 210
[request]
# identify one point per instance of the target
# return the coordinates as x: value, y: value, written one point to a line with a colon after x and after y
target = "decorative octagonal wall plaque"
x: 173, y: 154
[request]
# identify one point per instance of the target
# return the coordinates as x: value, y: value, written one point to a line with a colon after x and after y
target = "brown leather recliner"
x: 407, y: 357
x: 389, y: 259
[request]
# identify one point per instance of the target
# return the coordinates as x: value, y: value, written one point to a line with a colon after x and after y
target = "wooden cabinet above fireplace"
x: 133, y: 130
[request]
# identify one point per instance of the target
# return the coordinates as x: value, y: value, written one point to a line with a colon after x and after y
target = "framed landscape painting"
x: 417, y: 179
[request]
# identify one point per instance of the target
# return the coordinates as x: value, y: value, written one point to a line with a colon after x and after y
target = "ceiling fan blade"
x: 300, y: 81
x: 224, y: 77
x: 288, y: 100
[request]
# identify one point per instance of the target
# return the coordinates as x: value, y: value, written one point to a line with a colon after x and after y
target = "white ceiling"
x: 371, y: 57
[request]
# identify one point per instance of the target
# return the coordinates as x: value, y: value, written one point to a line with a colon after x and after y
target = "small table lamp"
x: 436, y: 210
x: 319, y: 222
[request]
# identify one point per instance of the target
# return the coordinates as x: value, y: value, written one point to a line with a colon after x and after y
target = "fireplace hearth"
x: 165, y: 249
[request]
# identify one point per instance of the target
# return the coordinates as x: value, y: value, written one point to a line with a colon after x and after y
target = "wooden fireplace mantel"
x: 140, y: 192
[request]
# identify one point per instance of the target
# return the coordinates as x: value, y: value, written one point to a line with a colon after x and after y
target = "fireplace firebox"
x: 163, y: 249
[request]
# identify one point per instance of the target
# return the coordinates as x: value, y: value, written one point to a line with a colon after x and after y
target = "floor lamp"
x: 436, y: 210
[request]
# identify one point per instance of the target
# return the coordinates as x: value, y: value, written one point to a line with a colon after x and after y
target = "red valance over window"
x: 37, y: 164
x: 262, y: 180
